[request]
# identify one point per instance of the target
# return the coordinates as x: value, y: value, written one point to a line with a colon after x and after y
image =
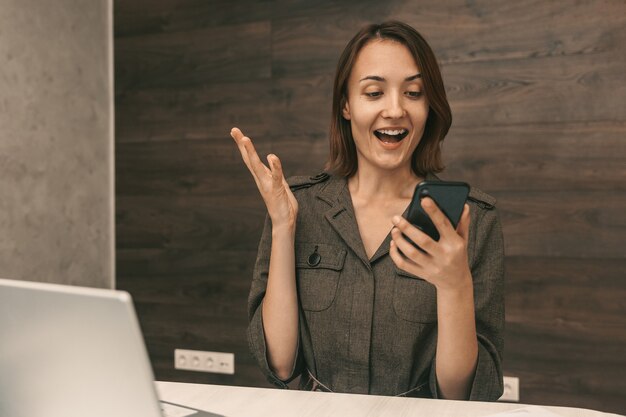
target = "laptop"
x: 69, y: 351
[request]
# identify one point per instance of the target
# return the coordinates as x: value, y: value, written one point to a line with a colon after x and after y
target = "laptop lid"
x: 72, y: 352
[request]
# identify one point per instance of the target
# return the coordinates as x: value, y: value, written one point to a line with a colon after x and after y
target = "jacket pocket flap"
x: 320, y: 255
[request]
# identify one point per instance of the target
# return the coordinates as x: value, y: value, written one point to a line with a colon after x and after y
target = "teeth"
x: 392, y: 132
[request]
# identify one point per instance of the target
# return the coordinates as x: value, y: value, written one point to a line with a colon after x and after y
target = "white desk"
x: 266, y: 402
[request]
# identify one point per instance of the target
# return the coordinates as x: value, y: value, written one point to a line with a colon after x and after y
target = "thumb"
x: 276, y: 168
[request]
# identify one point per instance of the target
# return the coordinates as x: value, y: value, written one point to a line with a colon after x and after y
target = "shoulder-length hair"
x: 427, y: 156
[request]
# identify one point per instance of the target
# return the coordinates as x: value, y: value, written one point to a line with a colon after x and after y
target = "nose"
x: 394, y: 108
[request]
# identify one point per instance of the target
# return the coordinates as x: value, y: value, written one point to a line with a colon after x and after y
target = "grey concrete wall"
x: 56, y: 142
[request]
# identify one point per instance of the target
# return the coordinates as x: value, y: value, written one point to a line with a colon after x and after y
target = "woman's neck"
x: 371, y: 183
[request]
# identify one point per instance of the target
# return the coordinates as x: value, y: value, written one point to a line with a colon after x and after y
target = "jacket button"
x: 314, y: 259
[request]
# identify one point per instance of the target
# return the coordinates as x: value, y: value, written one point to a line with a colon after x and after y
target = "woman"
x: 339, y: 296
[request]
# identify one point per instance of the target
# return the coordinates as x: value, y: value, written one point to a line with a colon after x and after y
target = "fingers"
x: 236, y: 134
x: 267, y: 179
x: 463, y: 227
x: 249, y: 154
x: 420, y: 238
x: 401, y: 261
x: 407, y: 248
x: 238, y: 137
x: 258, y: 168
x: 439, y: 219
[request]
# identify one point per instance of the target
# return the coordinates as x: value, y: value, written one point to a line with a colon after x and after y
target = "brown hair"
x: 427, y: 156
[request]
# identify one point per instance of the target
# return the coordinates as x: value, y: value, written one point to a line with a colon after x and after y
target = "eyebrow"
x: 381, y: 79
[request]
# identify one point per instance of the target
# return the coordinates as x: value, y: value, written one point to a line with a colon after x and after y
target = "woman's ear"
x: 346, y: 110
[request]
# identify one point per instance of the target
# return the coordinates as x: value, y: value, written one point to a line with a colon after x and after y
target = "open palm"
x: 281, y: 204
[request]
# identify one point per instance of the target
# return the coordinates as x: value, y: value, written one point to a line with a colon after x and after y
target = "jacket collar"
x: 342, y: 218
x: 340, y: 215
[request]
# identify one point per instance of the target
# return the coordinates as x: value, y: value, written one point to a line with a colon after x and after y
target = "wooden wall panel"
x: 496, y: 30
x: 205, y: 111
x: 184, y: 167
x: 567, y: 291
x: 201, y: 223
x: 540, y: 90
x: 562, y: 223
x: 194, y: 57
x: 553, y: 361
x: 166, y: 16
x: 572, y: 157
x: 539, y: 120
x: 310, y: 39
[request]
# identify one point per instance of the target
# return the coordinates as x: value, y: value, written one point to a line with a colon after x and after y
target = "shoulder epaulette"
x: 481, y: 198
x: 299, y: 182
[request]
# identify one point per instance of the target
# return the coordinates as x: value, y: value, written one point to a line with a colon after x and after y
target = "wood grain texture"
x: 567, y: 291
x: 565, y: 326
x: 208, y: 111
x: 538, y: 93
x: 553, y: 360
x: 309, y: 39
x: 493, y: 30
x: 187, y: 168
x: 568, y: 157
x: 541, y: 90
x: 165, y: 16
x: 193, y: 58
x: 180, y: 223
x: 564, y: 224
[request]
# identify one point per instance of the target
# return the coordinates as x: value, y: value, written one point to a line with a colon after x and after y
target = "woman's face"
x: 386, y: 105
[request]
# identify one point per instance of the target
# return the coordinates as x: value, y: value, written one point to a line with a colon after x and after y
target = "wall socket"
x: 201, y: 361
x: 511, y: 389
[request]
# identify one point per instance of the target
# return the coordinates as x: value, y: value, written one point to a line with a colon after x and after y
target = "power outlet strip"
x: 202, y: 361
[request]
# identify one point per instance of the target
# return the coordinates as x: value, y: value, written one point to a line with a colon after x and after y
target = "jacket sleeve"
x: 487, y: 266
x: 256, y: 335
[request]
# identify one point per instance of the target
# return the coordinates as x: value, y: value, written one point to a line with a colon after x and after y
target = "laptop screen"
x: 72, y: 352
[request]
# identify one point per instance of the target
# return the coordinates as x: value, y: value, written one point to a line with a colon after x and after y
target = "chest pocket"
x: 414, y: 299
x: 318, y: 267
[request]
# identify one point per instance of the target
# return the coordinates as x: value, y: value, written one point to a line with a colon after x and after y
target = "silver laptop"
x: 73, y: 352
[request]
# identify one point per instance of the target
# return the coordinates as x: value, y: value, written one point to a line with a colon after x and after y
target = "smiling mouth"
x: 391, y: 135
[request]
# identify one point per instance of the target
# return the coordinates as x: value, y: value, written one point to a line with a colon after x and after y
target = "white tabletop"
x: 266, y: 402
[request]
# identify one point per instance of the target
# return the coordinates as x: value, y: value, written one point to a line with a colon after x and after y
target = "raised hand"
x: 281, y: 204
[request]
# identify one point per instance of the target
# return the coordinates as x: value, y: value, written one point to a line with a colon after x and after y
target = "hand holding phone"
x: 450, y: 197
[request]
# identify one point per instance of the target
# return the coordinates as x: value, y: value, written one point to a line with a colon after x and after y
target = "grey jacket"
x: 365, y: 325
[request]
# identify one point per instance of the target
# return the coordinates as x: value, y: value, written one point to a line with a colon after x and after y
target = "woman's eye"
x: 374, y: 94
x: 414, y: 94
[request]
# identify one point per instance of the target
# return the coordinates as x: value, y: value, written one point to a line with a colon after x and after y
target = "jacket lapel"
x: 341, y: 217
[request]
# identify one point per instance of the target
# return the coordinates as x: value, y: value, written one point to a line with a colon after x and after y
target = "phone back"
x: 450, y: 197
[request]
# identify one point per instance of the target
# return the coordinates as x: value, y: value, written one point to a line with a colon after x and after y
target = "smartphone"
x: 450, y: 197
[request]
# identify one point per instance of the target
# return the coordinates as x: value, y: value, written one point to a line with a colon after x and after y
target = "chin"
x: 391, y: 165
